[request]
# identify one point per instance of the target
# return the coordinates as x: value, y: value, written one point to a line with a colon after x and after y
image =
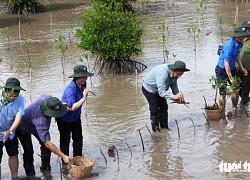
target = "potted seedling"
x: 215, y: 111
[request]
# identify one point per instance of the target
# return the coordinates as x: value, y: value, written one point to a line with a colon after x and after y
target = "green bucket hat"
x: 81, y: 71
x: 246, y: 24
x: 53, y: 107
x: 13, y: 83
x: 178, y: 66
x: 240, y: 31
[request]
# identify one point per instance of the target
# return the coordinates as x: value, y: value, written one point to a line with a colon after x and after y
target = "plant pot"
x: 214, y: 115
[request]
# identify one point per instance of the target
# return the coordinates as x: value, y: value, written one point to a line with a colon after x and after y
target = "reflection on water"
x: 118, y: 110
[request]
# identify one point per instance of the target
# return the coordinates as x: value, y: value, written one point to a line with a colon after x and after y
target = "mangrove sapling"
x: 202, y: 8
x: 143, y: 148
x: 26, y: 47
x: 206, y: 119
x: 193, y: 125
x: 104, y: 157
x: 193, y: 30
x: 26, y: 12
x: 178, y: 129
x: 62, y: 48
x: 164, y: 34
x: 151, y: 135
x: 220, y: 20
x: 69, y: 27
x: 6, y: 32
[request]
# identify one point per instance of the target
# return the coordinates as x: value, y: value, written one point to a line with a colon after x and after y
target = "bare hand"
x: 245, y: 72
x: 85, y: 92
x: 6, y: 135
x: 179, y: 97
x: 67, y: 106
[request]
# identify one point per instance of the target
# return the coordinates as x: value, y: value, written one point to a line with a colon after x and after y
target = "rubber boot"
x: 163, y: 116
x: 45, y: 158
x: 154, y: 123
x: 77, y: 148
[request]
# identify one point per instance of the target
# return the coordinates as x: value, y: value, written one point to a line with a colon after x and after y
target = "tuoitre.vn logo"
x: 234, y: 167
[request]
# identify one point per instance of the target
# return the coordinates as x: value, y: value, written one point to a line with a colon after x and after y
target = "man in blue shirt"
x: 226, y: 69
x: 36, y: 121
x: 155, y: 88
x: 11, y: 112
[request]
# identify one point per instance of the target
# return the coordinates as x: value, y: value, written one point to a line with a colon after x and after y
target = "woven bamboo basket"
x: 214, y: 115
x: 81, y: 167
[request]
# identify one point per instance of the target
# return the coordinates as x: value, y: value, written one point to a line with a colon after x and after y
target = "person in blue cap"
x: 226, y: 66
x: 155, y: 88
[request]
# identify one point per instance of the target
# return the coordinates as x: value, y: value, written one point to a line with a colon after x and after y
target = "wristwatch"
x: 10, y: 132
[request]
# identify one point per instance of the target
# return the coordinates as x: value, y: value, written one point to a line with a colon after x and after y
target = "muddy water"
x: 119, y: 109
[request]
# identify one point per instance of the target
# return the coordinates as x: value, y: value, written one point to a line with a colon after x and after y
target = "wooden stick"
x: 143, y: 148
x: 178, y: 129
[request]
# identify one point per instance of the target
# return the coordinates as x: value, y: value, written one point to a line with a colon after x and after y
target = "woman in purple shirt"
x: 74, y: 96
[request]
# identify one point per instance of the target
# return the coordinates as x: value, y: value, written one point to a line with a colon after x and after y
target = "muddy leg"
x: 235, y: 98
x: 223, y: 104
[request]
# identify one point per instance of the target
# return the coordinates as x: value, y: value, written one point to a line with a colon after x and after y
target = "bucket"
x: 81, y: 167
x: 214, y: 115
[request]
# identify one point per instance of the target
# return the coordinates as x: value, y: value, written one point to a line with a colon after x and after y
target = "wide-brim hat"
x: 53, y: 107
x: 13, y: 83
x: 240, y: 31
x: 81, y: 71
x: 178, y: 66
x: 246, y: 24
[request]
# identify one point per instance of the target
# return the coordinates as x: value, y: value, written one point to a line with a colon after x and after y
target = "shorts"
x: 11, y: 147
x: 221, y: 74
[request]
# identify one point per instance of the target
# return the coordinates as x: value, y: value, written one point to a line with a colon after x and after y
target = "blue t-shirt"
x: 159, y: 80
x: 71, y: 95
x: 8, y: 113
x: 230, y: 52
x: 35, y: 121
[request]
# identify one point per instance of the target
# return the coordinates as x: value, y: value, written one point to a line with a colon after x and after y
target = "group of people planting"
x: 18, y: 122
x: 157, y: 82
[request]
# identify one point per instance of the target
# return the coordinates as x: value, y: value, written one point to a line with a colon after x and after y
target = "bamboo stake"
x: 117, y: 155
x: 143, y: 148
x: 104, y: 157
x: 178, y: 129
x: 193, y: 125
x: 19, y: 31
x: 151, y: 135
x: 206, y: 119
x: 129, y: 150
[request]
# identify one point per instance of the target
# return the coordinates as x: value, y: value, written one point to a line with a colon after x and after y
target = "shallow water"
x: 119, y: 109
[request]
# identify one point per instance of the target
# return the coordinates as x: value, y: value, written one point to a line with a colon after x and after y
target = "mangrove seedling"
x: 206, y: 119
x: 26, y: 47
x: 129, y: 150
x: 220, y: 20
x: 26, y: 12
x: 69, y: 27
x: 6, y: 32
x: 193, y: 29
x: 62, y: 48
